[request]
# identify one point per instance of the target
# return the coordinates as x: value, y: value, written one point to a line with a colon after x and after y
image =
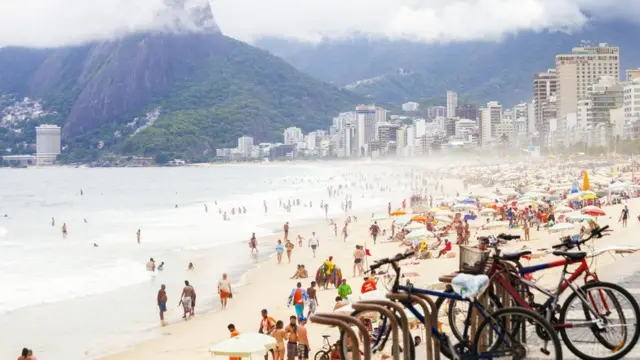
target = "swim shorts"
x: 186, y: 302
x: 303, y: 351
x: 314, y: 247
x: 163, y: 306
x: 292, y: 349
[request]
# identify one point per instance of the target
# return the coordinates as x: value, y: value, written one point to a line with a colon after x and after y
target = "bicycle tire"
x: 565, y: 309
x: 322, y: 355
x: 451, y: 314
x: 542, y: 323
x: 385, y: 334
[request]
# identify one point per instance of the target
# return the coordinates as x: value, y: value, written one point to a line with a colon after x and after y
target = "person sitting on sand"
x: 26, y: 354
x: 447, y: 248
x: 301, y: 273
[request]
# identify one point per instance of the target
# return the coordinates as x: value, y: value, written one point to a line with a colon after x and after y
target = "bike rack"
x: 331, y: 320
x: 431, y: 342
x: 363, y: 331
x: 367, y: 306
x: 404, y: 323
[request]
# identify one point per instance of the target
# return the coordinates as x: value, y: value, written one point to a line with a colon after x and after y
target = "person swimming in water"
x: 190, y: 268
x: 161, y: 266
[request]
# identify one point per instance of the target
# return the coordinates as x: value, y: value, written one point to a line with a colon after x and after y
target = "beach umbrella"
x: 377, y: 217
x: 485, y: 201
x: 618, y: 186
x: 419, y: 233
x: 398, y: 213
x: 496, y: 224
x: 420, y: 208
x: 561, y: 227
x: 244, y: 345
x: 577, y: 217
x: 553, y: 197
x: 443, y: 218
x: 585, y: 182
x: 593, y: 211
x: 463, y: 206
x: 562, y: 209
x: 419, y: 218
x: 414, y: 226
x: 487, y: 211
x: 588, y: 197
x: 467, y: 201
x: 403, y: 219
x: 444, y: 213
x: 434, y: 210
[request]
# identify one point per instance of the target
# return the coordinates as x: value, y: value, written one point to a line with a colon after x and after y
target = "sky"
x: 50, y: 23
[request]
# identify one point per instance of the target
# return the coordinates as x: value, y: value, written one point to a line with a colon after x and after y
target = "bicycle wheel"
x: 615, y: 335
x: 516, y: 333
x: 457, y: 315
x: 378, y: 340
x: 322, y: 355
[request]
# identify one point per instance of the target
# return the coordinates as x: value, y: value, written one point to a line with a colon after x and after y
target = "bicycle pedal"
x: 545, y: 351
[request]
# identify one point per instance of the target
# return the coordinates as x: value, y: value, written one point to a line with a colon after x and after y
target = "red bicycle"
x: 598, y: 320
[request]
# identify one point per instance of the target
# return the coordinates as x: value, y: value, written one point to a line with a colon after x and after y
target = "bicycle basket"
x: 472, y: 260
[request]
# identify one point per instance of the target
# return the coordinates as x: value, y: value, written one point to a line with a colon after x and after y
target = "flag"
x: 367, y: 252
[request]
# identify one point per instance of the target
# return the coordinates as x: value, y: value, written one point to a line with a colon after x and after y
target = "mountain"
x: 398, y: 71
x: 183, y: 91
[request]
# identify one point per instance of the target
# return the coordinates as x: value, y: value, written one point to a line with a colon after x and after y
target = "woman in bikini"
x: 358, y: 258
x: 278, y: 334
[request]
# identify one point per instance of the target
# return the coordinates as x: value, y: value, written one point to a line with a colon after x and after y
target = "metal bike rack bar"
x: 429, y: 341
x: 366, y: 306
x: 331, y: 320
x: 434, y: 322
x: 404, y: 324
x: 363, y: 330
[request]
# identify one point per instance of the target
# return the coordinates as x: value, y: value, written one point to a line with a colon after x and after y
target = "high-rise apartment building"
x: 632, y: 100
x: 245, y: 145
x: 467, y: 111
x: 381, y: 115
x: 544, y: 86
x: 366, y: 119
x: 410, y: 106
x: 47, y: 144
x: 436, y: 111
x: 292, y: 135
x: 632, y: 74
x: 490, y: 118
x: 605, y: 95
x: 452, y: 103
x: 580, y: 69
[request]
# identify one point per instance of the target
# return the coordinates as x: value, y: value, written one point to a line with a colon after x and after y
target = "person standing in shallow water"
x: 162, y: 303
x: 138, y: 234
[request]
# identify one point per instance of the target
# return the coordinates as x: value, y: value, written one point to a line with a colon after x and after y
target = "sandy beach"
x: 269, y: 285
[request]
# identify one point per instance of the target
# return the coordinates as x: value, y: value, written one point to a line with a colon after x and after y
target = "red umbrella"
x: 593, y: 211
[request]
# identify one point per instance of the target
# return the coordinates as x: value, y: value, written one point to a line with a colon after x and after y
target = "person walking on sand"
x: 186, y: 299
x: 335, y: 229
x: 224, y: 290
x: 53, y: 221
x: 253, y: 243
x: 64, y: 230
x: 314, y: 243
x: 358, y: 260
x: 291, y: 334
x: 138, y: 233
x: 300, y: 240
x: 279, y: 251
x: 162, y: 302
x: 313, y: 299
x: 374, y: 229
x: 288, y: 245
x: 286, y: 231
x: 298, y: 297
x: 624, y: 216
x: 344, y: 232
x: 267, y: 326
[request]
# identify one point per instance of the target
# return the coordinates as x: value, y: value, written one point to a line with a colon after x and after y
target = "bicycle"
x: 596, y: 300
x: 325, y: 352
x: 506, y: 333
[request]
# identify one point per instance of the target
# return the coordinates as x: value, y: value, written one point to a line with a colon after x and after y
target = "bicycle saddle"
x: 514, y: 256
x: 326, y: 336
x: 571, y: 255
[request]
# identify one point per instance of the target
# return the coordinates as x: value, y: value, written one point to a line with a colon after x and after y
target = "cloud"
x: 45, y: 23
x: 418, y: 20
x: 50, y: 23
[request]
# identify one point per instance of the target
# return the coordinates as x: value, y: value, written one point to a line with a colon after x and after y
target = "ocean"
x: 67, y: 299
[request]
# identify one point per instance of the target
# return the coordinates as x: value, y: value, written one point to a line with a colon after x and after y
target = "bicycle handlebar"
x: 570, y: 244
x: 392, y: 260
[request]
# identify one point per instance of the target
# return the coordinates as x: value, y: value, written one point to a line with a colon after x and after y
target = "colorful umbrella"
x: 398, y: 213
x: 593, y: 211
x: 419, y: 218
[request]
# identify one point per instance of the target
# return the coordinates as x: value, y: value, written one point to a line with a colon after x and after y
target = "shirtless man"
x: 162, y: 302
x: 303, y: 339
x: 291, y: 334
x: 188, y: 294
x: 138, y: 235
x: 253, y: 243
x: 313, y: 299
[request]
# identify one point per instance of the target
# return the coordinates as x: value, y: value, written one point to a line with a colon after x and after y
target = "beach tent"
x: 244, y: 345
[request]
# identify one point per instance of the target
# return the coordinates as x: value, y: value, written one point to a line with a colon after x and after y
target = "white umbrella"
x: 488, y: 211
x: 444, y: 212
x: 420, y: 233
x: 414, y: 226
x: 577, y: 217
x: 444, y: 219
x: 562, y: 209
x: 496, y: 224
x: 377, y: 217
x: 561, y: 227
x: 464, y: 206
x: 403, y: 219
x: 244, y: 345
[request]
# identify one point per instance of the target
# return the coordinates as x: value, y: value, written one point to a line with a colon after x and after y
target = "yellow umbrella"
x: 585, y: 182
x: 588, y: 197
x: 433, y: 210
x: 398, y: 213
